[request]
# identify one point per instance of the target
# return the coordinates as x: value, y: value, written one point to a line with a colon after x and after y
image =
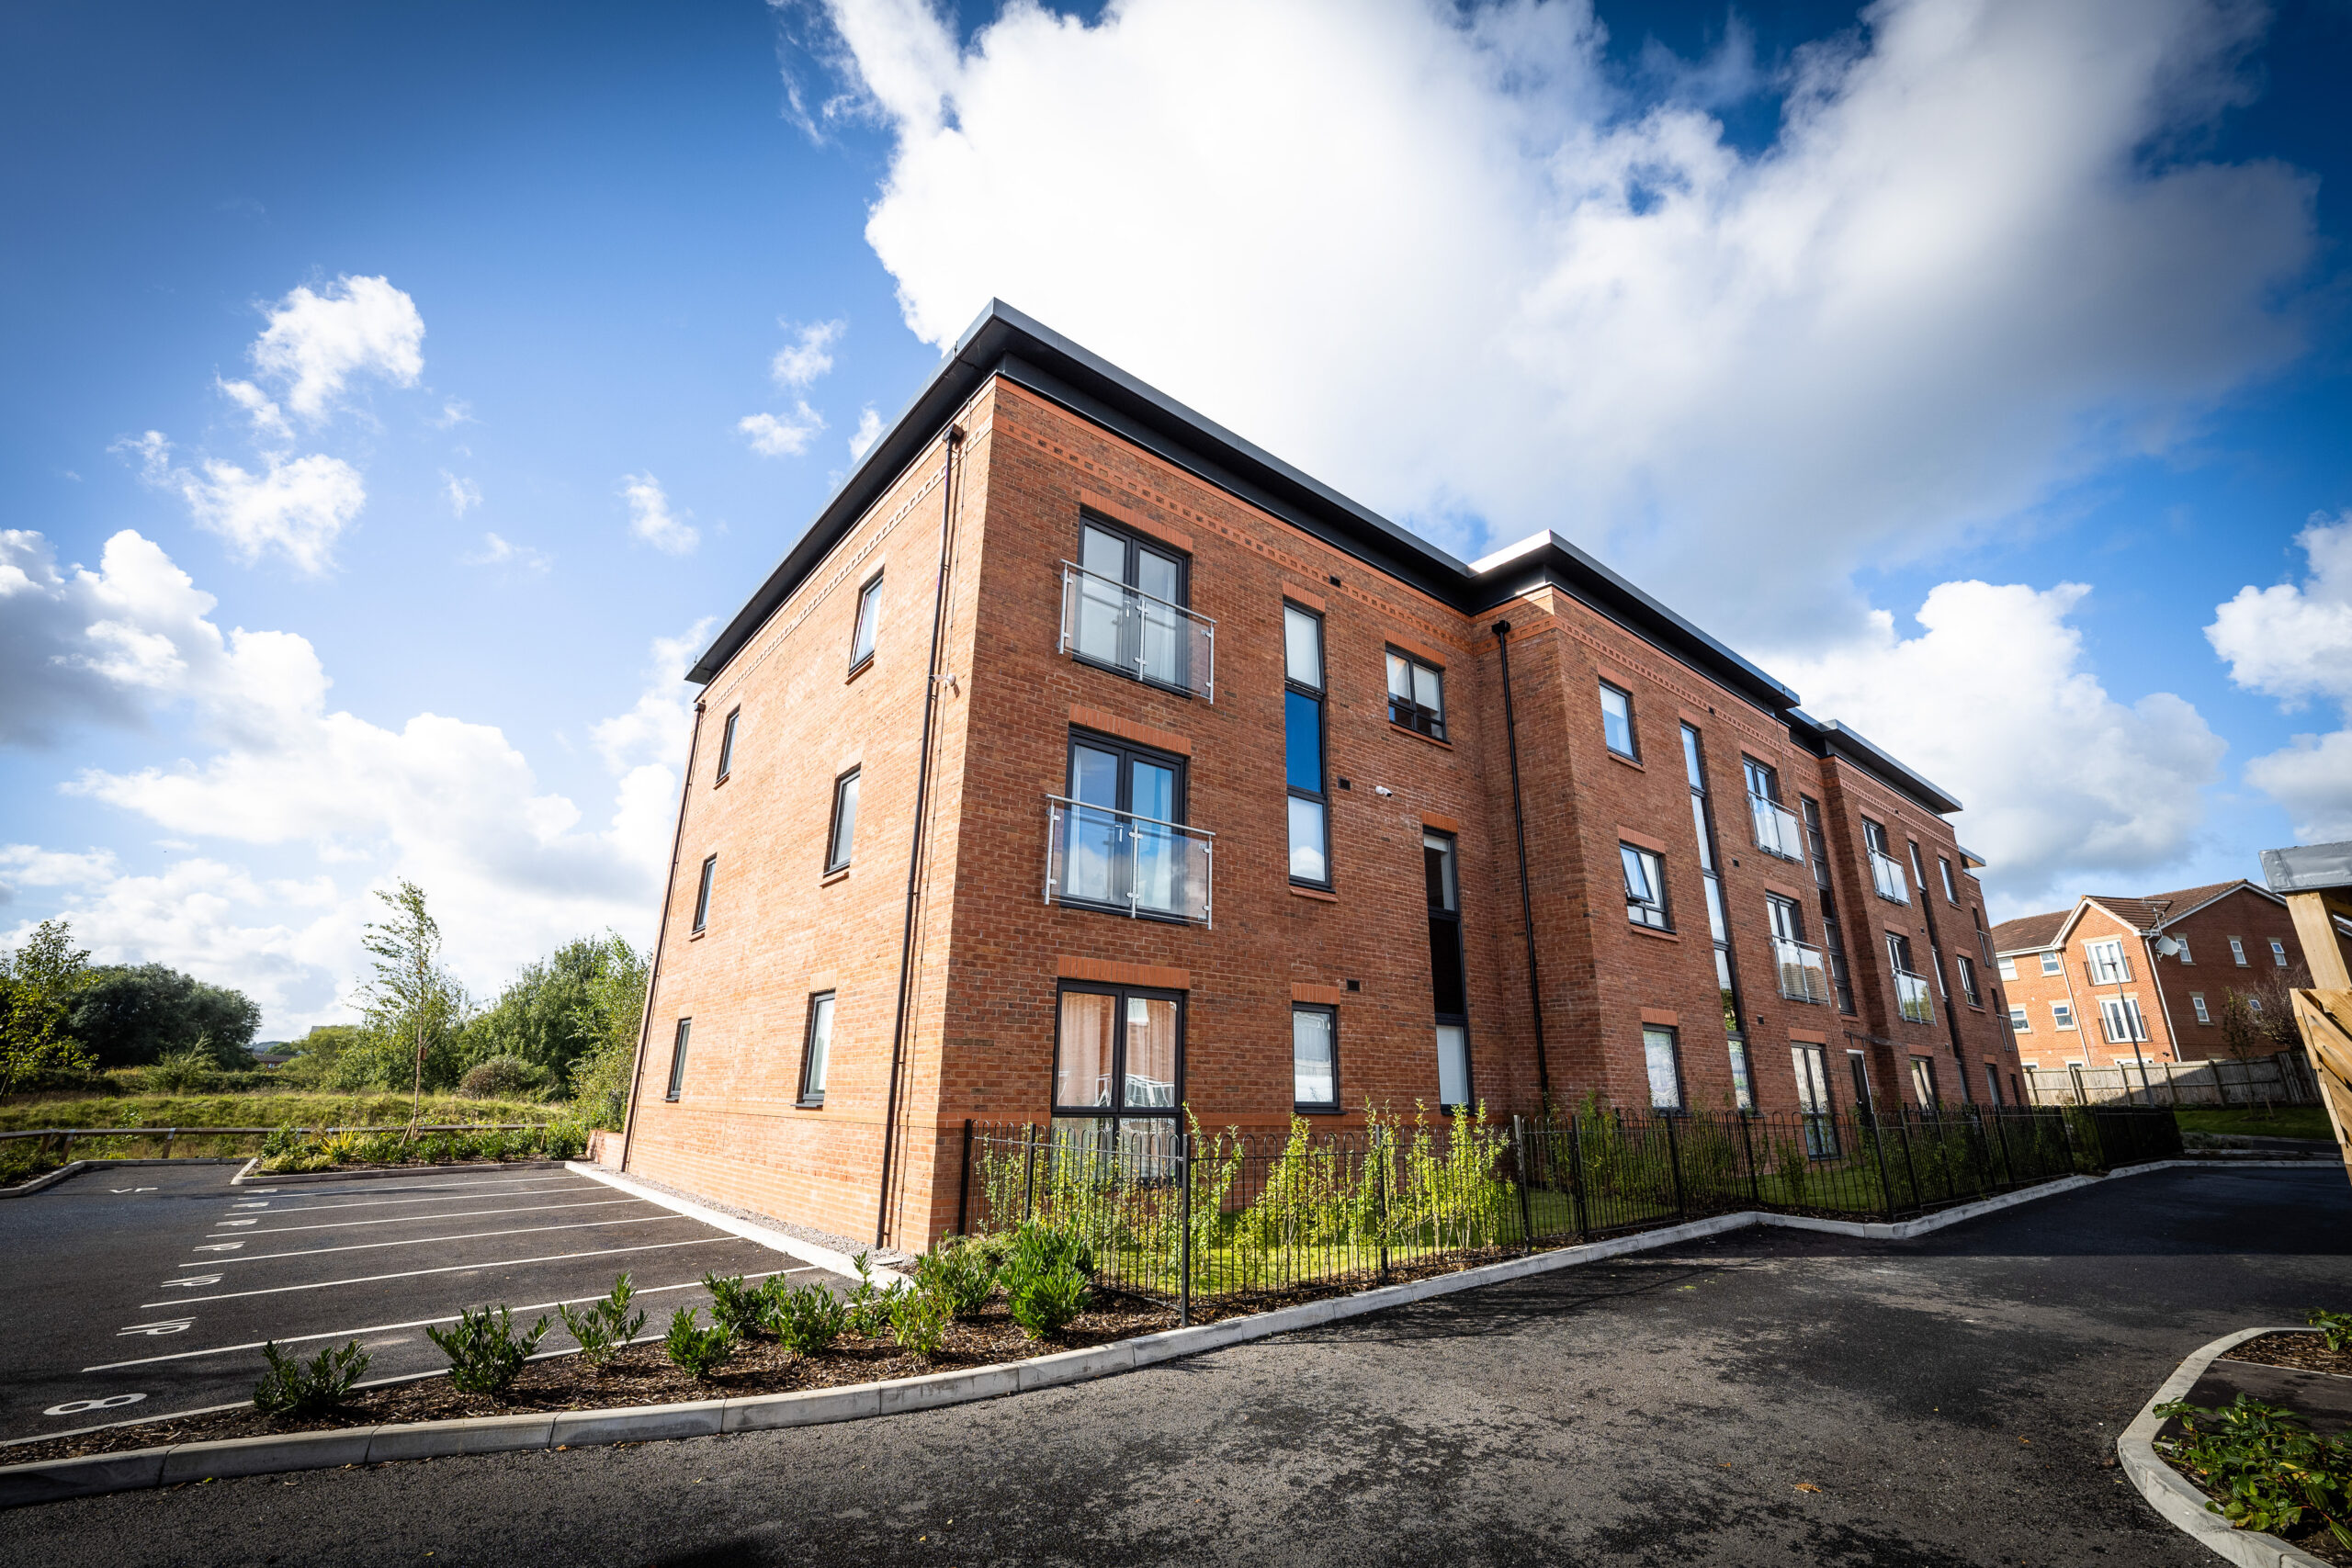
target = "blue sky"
x: 1800, y: 314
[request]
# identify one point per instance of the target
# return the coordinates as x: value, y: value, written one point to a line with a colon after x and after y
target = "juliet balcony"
x: 1803, y: 975
x: 1886, y: 876
x: 1777, y: 832
x: 1126, y: 864
x: 1911, y: 997
x: 1130, y: 633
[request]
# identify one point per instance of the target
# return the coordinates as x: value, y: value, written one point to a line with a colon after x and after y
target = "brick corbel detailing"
x: 1810, y: 1036
x: 1435, y: 823
x: 1128, y: 730
x: 1119, y: 512
x: 1665, y: 1018
x: 1330, y: 996
x: 1159, y: 977
x: 1657, y: 846
x: 1301, y: 597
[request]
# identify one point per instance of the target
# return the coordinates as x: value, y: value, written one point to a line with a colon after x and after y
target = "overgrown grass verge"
x: 2252, y: 1121
x: 279, y: 1108
x: 286, y: 1152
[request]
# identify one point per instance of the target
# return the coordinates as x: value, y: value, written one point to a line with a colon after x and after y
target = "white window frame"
x: 2120, y: 1018
x: 2061, y: 1015
x: 2107, y: 956
x: 2051, y: 962
x: 2020, y: 1018
x: 2277, y: 952
x: 2237, y: 951
x: 2007, y: 967
x: 2197, y: 1002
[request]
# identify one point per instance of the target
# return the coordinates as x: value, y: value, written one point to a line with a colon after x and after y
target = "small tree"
x: 32, y: 1040
x: 413, y: 999
x: 49, y: 962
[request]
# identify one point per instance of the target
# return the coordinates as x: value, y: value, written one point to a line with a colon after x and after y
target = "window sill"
x: 1653, y: 930
x: 1318, y: 894
x: 860, y: 668
x: 697, y: 935
x: 1425, y: 739
x: 668, y: 1099
x: 1318, y: 1111
x: 808, y: 1105
x: 832, y: 876
x: 1633, y: 762
x: 720, y: 780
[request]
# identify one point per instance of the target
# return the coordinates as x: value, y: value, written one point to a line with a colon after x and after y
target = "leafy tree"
x: 575, y: 1016
x: 413, y: 1001
x: 128, y: 1015
x: 48, y: 962
x: 34, y: 1046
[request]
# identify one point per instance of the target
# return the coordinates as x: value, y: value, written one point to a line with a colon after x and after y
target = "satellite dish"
x: 2167, y: 947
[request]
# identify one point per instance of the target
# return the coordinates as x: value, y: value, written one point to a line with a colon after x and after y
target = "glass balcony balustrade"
x: 1107, y: 623
x: 1134, y: 865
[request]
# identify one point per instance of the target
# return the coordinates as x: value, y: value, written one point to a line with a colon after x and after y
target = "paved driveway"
x: 1953, y: 1399
x: 146, y: 1291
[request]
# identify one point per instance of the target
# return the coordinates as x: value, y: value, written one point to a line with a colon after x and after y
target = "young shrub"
x: 605, y: 1328
x: 698, y: 1350
x: 920, y: 1319
x: 190, y: 1070
x: 2266, y: 1464
x: 1045, y: 1280
x: 869, y: 1305
x: 485, y: 1353
x: 2335, y: 1328
x: 806, y: 1319
x: 963, y: 1271
x: 739, y: 1308
x: 295, y: 1387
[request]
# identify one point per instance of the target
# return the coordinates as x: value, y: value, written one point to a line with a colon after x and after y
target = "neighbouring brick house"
x: 1084, y: 761
x: 2123, y: 981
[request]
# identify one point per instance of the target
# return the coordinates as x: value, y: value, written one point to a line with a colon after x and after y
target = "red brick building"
x: 2117, y: 981
x: 1084, y: 761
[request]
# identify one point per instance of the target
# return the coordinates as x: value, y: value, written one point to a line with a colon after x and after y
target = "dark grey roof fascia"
x: 1033, y: 356
x: 1831, y: 739
x: 2309, y: 868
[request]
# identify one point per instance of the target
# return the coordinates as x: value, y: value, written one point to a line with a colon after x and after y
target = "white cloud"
x: 496, y: 551
x: 2062, y: 783
x: 512, y: 868
x: 869, y: 431
x: 1435, y: 256
x: 296, y: 507
x: 809, y: 355
x: 315, y: 343
x: 463, y: 495
x: 651, y: 519
x: 787, y: 437
x: 269, y: 419
x: 2294, y: 642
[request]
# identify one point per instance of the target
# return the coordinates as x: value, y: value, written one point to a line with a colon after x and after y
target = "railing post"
x: 1576, y: 1177
x: 1029, y: 1178
x: 964, y: 1182
x: 1910, y: 1170
x: 1380, y: 1195
x: 169, y: 1134
x: 1184, y: 1242
x: 1748, y: 1150
x: 1526, y: 1209
x: 1674, y: 1163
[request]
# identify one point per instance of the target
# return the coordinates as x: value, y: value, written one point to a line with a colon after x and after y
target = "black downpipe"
x: 661, y: 936
x: 1526, y: 899
x: 914, y: 851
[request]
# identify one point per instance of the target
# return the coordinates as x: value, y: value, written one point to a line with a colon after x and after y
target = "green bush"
x: 485, y: 1353
x: 920, y: 1319
x: 500, y: 1077
x: 190, y: 1070
x: 2266, y: 1462
x: 806, y: 1319
x: 739, y: 1308
x: 869, y: 1305
x: 295, y: 1387
x: 1045, y: 1280
x: 963, y: 1271
x: 2335, y: 1328
x: 699, y: 1351
x: 604, y: 1328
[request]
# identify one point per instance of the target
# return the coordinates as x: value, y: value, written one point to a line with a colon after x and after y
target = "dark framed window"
x: 869, y: 622
x: 1968, y: 979
x: 1416, y: 695
x: 1617, y: 721
x: 817, y: 1049
x: 1304, y: 763
x: 1951, y: 886
x: 1832, y: 940
x: 1923, y: 1082
x: 1315, y: 1056
x: 1662, y: 1054
x: 1703, y: 822
x: 842, y: 835
x: 1992, y: 1084
x: 1644, y: 887
x: 678, y: 1058
x: 702, y: 893
x: 1449, y: 987
x: 1811, y: 1063
x: 1118, y: 1067
x: 1763, y: 779
x: 1130, y: 617
x: 1120, y: 852
x: 727, y: 746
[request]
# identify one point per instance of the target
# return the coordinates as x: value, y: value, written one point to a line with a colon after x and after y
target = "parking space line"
x: 369, y: 1188
x: 449, y: 1197
x: 452, y: 1268
x: 430, y: 1240
x: 468, y: 1214
x: 427, y: 1322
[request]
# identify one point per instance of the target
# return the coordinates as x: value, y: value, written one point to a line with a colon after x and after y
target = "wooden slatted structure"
x: 2316, y: 882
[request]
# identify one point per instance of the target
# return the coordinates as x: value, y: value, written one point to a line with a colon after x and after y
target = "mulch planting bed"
x: 642, y: 1374
x: 2304, y: 1352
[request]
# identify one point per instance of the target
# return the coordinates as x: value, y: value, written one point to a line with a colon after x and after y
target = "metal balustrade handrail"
x: 1184, y: 828
x: 1777, y: 832
x: 1886, y: 877
x: 1188, y: 875
x: 1803, y: 971
x: 1130, y: 600
x: 1911, y: 996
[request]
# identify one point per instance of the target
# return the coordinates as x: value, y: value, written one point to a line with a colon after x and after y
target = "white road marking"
x: 517, y: 1190
x: 367, y: 1188
x: 452, y: 1317
x: 230, y: 1224
x: 76, y: 1406
x: 173, y: 1325
x: 190, y: 1282
x: 412, y: 1219
x: 430, y: 1240
x: 218, y: 1246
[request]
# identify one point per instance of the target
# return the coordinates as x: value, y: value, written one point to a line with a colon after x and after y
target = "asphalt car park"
x: 140, y: 1291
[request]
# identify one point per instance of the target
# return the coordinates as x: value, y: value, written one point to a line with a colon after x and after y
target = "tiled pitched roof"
x: 2029, y: 931
x: 2145, y: 913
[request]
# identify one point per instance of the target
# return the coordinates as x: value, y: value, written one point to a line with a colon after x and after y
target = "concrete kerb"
x: 2170, y: 1493
x: 774, y: 1240
x: 314, y: 1451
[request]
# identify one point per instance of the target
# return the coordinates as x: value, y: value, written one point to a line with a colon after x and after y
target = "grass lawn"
x: 275, y: 1108
x: 2281, y: 1122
